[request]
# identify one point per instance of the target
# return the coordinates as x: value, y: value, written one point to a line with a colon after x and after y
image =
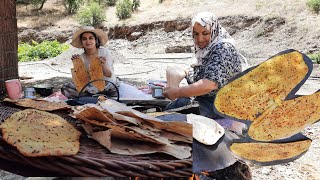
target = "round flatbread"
x: 39, y: 133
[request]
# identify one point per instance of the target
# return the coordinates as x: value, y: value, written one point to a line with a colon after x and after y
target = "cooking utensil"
x: 43, y: 89
x: 213, y: 157
x: 208, y: 158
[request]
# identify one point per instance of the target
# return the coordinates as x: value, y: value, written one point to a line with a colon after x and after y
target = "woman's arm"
x: 106, y: 70
x: 107, y: 61
x: 198, y: 88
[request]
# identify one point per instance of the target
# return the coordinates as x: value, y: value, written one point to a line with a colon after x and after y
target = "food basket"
x: 95, y: 160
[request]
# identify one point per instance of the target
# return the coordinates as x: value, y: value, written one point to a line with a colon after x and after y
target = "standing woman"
x: 218, y: 61
x: 92, y: 40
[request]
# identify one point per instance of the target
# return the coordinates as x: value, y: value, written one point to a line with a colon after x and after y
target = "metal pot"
x: 43, y: 89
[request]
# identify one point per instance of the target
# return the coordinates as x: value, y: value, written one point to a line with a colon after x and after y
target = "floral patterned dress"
x: 221, y: 64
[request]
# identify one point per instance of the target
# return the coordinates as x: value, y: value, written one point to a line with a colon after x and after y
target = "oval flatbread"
x: 96, y: 73
x: 79, y: 73
x: 262, y: 88
x: 288, y: 119
x: 267, y: 152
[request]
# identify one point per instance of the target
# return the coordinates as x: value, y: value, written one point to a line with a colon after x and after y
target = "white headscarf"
x: 218, y: 33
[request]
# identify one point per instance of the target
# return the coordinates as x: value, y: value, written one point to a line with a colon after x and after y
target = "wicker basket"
x: 95, y: 160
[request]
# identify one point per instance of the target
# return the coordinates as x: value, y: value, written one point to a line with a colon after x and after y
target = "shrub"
x: 92, y: 15
x: 135, y: 5
x: 315, y: 58
x: 314, y: 5
x: 72, y: 6
x: 23, y: 1
x: 105, y: 2
x: 39, y: 51
x: 111, y: 2
x: 124, y: 9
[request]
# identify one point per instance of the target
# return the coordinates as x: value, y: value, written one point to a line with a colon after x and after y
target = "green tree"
x: 92, y: 15
x: 72, y: 6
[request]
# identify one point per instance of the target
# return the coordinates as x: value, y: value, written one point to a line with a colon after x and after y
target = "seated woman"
x: 218, y: 61
x: 92, y: 40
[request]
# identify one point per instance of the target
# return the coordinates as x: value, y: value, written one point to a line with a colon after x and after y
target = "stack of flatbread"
x: 39, y: 104
x: 123, y: 130
x: 264, y: 97
x: 82, y: 77
x: 39, y: 133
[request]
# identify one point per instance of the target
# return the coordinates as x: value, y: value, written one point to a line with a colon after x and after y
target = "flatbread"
x: 264, y: 87
x: 288, y: 119
x: 39, y: 133
x: 113, y: 106
x: 267, y: 152
x: 94, y: 114
x: 79, y: 73
x: 205, y: 130
x: 125, y: 147
x: 39, y: 104
x: 96, y: 73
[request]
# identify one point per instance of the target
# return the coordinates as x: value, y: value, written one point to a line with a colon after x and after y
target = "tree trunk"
x: 42, y: 4
x: 8, y: 42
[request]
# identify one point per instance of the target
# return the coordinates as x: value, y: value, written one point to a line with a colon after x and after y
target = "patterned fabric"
x: 220, y: 60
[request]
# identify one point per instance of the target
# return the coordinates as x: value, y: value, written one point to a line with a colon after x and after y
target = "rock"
x: 179, y: 25
x: 134, y: 36
x: 178, y: 49
x: 28, y: 35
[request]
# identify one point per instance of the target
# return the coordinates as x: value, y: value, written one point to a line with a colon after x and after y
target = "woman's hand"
x: 103, y: 60
x: 106, y: 71
x: 171, y: 92
x: 75, y: 56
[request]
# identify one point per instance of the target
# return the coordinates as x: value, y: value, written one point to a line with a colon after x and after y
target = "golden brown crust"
x: 287, y: 119
x: 39, y: 104
x: 266, y: 152
x: 37, y: 133
x: 96, y: 72
x: 79, y: 73
x: 262, y: 88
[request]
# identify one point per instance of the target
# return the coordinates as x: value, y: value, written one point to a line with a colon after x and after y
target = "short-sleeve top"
x: 221, y: 64
x: 102, y: 52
